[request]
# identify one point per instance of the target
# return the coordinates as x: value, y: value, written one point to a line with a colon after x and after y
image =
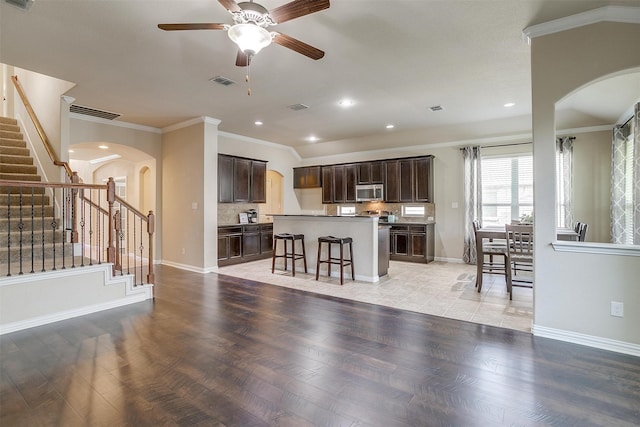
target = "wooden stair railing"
x: 40, y: 129
x: 120, y: 221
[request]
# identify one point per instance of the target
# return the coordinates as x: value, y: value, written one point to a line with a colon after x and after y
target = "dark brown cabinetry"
x: 229, y: 244
x: 258, y: 182
x: 405, y: 180
x: 243, y: 243
x: 370, y: 172
x: 241, y: 180
x: 307, y: 177
x: 409, y: 180
x: 225, y: 179
x: 412, y: 242
x: 339, y: 183
x: 423, y: 181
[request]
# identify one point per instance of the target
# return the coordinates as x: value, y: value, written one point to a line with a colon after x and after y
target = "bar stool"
x: 292, y: 255
x: 342, y: 262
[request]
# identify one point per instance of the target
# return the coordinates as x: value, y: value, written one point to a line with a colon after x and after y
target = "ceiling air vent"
x: 222, y: 80
x: 298, y: 107
x: 22, y: 4
x: 436, y: 108
x: 79, y: 109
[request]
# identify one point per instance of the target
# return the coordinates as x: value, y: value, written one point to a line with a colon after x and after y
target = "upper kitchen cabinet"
x: 307, y: 177
x: 339, y: 183
x: 241, y: 180
x: 258, y: 182
x: 409, y: 180
x: 423, y: 169
x: 370, y: 172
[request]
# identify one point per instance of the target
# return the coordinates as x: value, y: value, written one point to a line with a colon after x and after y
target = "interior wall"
x: 43, y: 93
x: 146, y: 140
x: 183, y: 197
x: 573, y: 291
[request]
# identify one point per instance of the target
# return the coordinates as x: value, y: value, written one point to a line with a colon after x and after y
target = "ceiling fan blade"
x: 296, y: 9
x: 201, y: 26
x: 230, y: 5
x: 242, y: 59
x: 298, y: 46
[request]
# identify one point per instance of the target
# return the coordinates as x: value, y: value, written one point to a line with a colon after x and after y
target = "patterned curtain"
x: 625, y: 182
x: 472, y: 200
x: 564, y: 183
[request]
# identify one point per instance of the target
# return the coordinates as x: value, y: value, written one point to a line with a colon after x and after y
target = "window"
x: 413, y: 210
x: 346, y: 210
x: 507, y: 188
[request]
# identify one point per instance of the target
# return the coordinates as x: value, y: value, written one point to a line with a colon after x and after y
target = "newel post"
x: 111, y: 198
x: 151, y: 228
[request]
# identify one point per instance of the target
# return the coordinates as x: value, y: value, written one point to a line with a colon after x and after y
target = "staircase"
x: 30, y: 235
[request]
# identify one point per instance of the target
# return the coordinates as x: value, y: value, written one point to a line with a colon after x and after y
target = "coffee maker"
x: 252, y: 214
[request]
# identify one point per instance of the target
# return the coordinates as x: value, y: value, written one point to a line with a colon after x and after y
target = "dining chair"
x: 490, y: 248
x: 582, y: 231
x: 519, y: 256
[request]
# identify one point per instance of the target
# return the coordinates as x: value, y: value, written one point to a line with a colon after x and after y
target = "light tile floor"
x: 437, y: 288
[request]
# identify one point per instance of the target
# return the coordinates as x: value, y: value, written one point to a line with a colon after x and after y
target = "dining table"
x: 497, y: 232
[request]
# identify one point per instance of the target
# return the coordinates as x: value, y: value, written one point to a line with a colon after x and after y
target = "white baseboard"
x: 188, y: 267
x: 69, y: 314
x: 587, y: 340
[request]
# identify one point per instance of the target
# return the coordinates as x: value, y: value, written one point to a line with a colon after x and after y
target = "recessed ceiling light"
x: 103, y: 147
x: 71, y: 151
x: 390, y: 126
x: 258, y: 123
x: 313, y: 138
x: 346, y: 103
x: 509, y: 104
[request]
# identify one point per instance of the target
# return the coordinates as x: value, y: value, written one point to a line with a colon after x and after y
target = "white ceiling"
x: 394, y: 58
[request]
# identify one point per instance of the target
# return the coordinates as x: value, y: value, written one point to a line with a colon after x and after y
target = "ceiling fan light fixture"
x: 250, y: 38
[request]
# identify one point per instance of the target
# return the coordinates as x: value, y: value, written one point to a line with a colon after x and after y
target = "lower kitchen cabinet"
x: 244, y: 243
x: 412, y: 242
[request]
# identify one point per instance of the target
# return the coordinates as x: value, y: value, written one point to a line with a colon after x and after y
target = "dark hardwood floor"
x: 219, y: 351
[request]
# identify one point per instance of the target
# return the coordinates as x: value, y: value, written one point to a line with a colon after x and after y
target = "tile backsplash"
x: 228, y: 212
x: 390, y: 208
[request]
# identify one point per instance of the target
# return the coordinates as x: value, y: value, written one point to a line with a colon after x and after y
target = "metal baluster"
x: 82, y: 224
x: 128, y: 236
x: 20, y: 227
x: 54, y: 226
x: 91, y: 228
x: 141, y: 249
x: 42, y: 226
x: 9, y: 232
x: 65, y: 206
x: 33, y: 228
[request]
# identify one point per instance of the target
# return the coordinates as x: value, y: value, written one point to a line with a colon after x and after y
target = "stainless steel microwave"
x: 369, y: 193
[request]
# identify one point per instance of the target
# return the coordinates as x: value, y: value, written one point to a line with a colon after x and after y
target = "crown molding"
x: 624, y: 14
x: 191, y: 122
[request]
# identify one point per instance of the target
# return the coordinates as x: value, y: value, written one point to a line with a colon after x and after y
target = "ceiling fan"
x: 251, y: 21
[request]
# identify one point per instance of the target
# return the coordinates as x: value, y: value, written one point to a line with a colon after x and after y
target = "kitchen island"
x: 368, y: 240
